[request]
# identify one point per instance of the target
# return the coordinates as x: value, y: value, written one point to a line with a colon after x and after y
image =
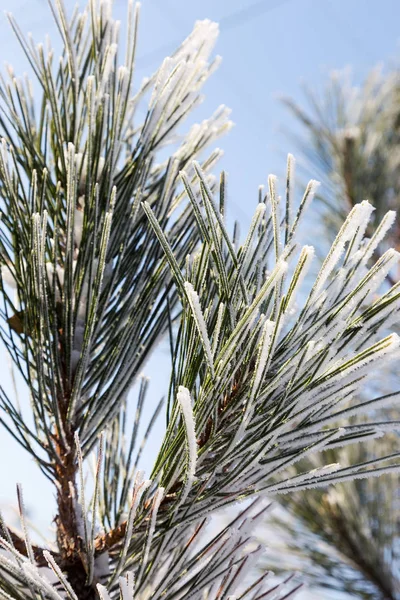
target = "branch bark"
x: 20, y: 546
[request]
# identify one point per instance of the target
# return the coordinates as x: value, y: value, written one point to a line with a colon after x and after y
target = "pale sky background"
x: 269, y: 48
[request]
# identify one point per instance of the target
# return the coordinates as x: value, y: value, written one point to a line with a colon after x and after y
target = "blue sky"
x: 269, y: 48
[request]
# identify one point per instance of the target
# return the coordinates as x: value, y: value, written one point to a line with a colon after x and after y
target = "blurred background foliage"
x: 347, y: 538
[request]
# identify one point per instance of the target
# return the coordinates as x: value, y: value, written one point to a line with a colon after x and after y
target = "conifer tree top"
x: 104, y: 250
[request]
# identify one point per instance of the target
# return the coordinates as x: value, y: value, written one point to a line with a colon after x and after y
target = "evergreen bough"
x: 104, y: 250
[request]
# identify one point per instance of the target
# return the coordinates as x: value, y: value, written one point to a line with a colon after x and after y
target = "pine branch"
x: 68, y: 237
x: 106, y: 250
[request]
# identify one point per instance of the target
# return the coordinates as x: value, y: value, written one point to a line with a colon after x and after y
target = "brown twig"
x: 20, y: 546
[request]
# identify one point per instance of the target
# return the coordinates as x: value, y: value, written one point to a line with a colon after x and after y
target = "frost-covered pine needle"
x: 200, y: 323
x: 185, y: 403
